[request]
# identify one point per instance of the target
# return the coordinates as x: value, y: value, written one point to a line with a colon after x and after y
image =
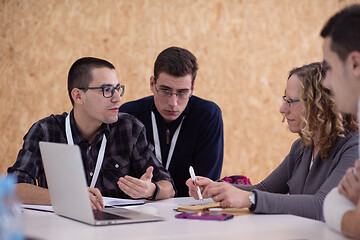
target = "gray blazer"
x: 294, y: 189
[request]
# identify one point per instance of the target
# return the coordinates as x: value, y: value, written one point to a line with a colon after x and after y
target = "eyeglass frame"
x: 290, y: 101
x: 170, y: 93
x: 117, y: 88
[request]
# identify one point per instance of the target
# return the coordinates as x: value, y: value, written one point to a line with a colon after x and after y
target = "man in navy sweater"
x: 184, y: 129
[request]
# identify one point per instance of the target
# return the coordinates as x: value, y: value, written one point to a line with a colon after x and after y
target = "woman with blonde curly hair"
x: 327, y: 147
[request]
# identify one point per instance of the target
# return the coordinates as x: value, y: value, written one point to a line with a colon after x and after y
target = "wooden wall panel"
x: 245, y: 51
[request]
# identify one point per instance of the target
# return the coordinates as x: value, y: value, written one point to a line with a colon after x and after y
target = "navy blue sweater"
x: 200, y: 143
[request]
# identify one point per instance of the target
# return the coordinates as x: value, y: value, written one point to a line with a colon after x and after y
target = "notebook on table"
x: 69, y: 193
x: 214, y: 206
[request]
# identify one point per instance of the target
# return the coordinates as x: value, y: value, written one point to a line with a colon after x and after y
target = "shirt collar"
x: 78, y: 138
x: 174, y: 124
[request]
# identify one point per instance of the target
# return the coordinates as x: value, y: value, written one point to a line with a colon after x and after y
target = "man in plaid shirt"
x: 129, y: 168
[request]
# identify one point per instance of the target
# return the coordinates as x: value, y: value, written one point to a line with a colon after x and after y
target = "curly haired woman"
x: 327, y: 147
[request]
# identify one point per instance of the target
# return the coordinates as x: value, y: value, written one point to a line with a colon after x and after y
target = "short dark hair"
x: 80, y: 73
x: 177, y: 62
x: 344, y: 30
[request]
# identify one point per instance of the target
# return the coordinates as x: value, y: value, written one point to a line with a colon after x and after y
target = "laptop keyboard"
x: 100, y: 215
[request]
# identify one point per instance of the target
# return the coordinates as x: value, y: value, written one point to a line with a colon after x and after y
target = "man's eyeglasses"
x: 181, y: 94
x: 290, y: 101
x: 108, y: 90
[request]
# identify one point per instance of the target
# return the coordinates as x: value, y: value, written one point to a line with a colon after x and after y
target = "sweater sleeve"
x: 276, y: 182
x: 208, y: 158
x: 272, y: 194
x: 335, y: 206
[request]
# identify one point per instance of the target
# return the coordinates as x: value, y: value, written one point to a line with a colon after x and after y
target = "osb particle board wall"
x: 245, y: 50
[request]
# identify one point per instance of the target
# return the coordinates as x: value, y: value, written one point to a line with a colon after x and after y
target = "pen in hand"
x: 193, y: 177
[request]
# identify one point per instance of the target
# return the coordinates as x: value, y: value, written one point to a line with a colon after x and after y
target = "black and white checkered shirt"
x: 127, y: 153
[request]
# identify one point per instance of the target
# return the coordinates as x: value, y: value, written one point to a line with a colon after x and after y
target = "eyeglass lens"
x: 182, y: 94
x: 110, y: 90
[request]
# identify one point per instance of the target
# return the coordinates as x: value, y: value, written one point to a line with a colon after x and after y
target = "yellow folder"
x: 206, y: 207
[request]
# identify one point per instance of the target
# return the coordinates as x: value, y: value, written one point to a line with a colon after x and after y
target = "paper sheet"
x: 108, y: 202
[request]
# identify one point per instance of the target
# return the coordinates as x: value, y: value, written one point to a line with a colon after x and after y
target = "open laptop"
x: 69, y: 194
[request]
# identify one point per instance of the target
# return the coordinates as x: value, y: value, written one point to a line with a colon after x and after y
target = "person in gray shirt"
x: 327, y: 147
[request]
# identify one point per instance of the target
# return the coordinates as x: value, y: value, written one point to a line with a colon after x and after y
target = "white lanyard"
x: 101, y: 154
x: 157, y: 141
